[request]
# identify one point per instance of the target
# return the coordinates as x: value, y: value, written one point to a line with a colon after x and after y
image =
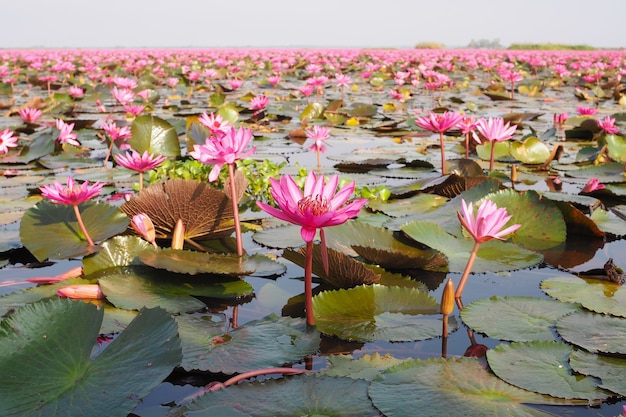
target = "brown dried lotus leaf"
x: 343, y: 271
x: 205, y: 211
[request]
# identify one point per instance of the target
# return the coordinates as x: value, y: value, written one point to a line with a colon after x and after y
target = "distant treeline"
x: 550, y: 47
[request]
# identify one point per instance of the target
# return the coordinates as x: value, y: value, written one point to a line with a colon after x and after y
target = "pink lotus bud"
x: 81, y: 291
x: 142, y: 224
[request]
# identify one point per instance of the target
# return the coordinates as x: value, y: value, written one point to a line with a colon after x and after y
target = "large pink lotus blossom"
x: 73, y: 194
x: 227, y: 149
x: 258, y: 103
x: 608, y: 126
x: 214, y: 123
x: 485, y: 225
x: 318, y: 206
x: 7, y: 140
x: 495, y: 130
x: 123, y: 95
x: 29, y: 115
x: 440, y: 123
x: 65, y: 133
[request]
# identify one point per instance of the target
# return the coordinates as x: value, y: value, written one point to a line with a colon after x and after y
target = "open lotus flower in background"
x: 487, y: 224
x: 65, y: 133
x: 7, y: 140
x: 115, y: 132
x: 226, y: 149
x: 29, y: 115
x: 139, y: 162
x: 586, y: 111
x: 258, y: 104
x: 468, y: 126
x: 214, y: 123
x: 318, y: 134
x: 73, y: 194
x: 319, y: 205
x: 440, y: 123
x: 495, y: 130
x: 608, y: 126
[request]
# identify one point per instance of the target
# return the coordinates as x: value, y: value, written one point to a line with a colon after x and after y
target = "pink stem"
x: 467, y: 141
x: 233, y: 197
x: 140, y: 180
x: 308, y: 284
x: 82, y: 225
x: 443, y: 154
x: 252, y: 374
x: 493, y: 153
x: 466, y: 272
x: 109, y: 151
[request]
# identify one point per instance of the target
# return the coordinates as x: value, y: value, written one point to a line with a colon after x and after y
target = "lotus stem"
x: 466, y: 272
x: 140, y: 180
x: 233, y: 194
x: 82, y: 225
x: 493, y: 153
x: 443, y: 154
x: 308, y: 284
x: 467, y: 142
x: 109, y: 151
x: 252, y: 374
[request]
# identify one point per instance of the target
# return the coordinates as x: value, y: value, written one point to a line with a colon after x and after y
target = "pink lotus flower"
x: 214, y: 123
x: 486, y: 225
x: 81, y: 291
x: 488, y: 222
x: 235, y: 84
x: 586, y: 111
x: 7, y: 140
x: 259, y: 103
x: 73, y: 195
x: 560, y: 118
x: 273, y: 80
x: 134, y: 110
x: 319, y: 206
x: 608, y: 126
x: 318, y: 134
x: 592, y: 185
x: 440, y: 123
x: 29, y: 115
x: 66, y: 135
x: 123, y: 95
x: 227, y: 149
x: 139, y: 162
x: 76, y: 92
x: 495, y: 130
x: 467, y: 126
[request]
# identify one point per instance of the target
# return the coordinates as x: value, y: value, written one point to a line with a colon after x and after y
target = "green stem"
x: 308, y: 284
x: 233, y: 197
x: 466, y: 272
x: 82, y: 225
x: 443, y: 154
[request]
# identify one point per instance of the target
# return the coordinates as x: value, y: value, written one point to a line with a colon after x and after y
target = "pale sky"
x: 317, y: 23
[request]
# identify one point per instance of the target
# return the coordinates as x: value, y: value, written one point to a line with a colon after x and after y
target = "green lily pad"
x: 265, y: 343
x: 51, y: 231
x: 502, y: 151
x: 433, y: 387
x: 46, y: 365
x: 593, y: 294
x: 542, y: 367
x: 366, y: 367
x: 118, y: 251
x: 493, y: 256
x: 594, y: 332
x: 542, y: 223
x: 515, y: 318
x: 304, y: 395
x: 616, y: 147
x: 132, y: 288
x: 377, y: 312
x: 530, y: 151
x: 407, y: 206
x: 312, y: 111
x: 608, y: 222
x: 611, y: 370
x: 155, y: 135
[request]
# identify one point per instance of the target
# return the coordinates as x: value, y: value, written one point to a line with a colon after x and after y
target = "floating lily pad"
x: 594, y: 332
x: 530, y: 151
x: 593, y: 294
x: 608, y: 222
x: 284, y: 236
x: 73, y: 383
x: 501, y: 153
x: 118, y: 251
x: 132, y: 288
x: 304, y: 395
x: 493, y: 256
x: 265, y: 343
x: 155, y: 135
x: 434, y: 387
x: 542, y: 367
x: 366, y: 367
x: 611, y: 370
x: 377, y: 312
x: 515, y: 318
x: 51, y: 231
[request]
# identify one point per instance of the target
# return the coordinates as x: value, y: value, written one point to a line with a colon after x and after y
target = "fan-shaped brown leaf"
x: 343, y: 271
x: 205, y: 211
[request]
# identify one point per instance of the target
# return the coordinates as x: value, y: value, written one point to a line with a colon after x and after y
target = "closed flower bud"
x: 82, y: 291
x: 447, y: 298
x: 178, y: 238
x: 144, y: 226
